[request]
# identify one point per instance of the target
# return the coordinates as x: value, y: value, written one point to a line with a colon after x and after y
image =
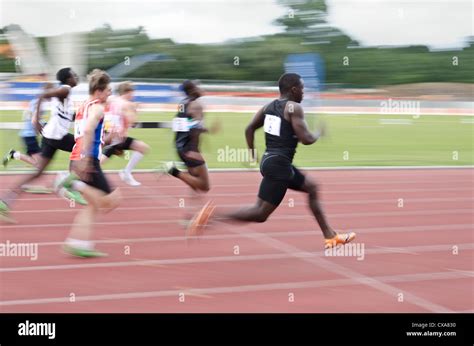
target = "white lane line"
x: 241, y: 288
x: 322, y: 181
x: 310, y: 168
x: 359, y: 278
x: 339, y: 269
x: 396, y: 121
x: 283, y: 234
x: 397, y: 250
x: 342, y: 270
x: 390, y: 202
x: 466, y: 272
x: 276, y: 217
x: 342, y: 192
x: 300, y: 254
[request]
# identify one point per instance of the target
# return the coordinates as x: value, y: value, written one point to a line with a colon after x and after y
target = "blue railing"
x: 144, y: 92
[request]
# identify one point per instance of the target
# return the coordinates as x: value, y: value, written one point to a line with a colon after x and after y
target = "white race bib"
x: 78, y: 128
x: 272, y: 124
x: 180, y: 125
x: 112, y: 123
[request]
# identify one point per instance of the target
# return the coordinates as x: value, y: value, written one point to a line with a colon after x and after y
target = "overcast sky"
x: 436, y: 23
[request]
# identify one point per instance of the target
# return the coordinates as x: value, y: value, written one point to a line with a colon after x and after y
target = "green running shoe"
x: 77, y: 197
x: 8, y: 156
x: 64, y: 179
x: 84, y: 253
x: 36, y: 189
x: 5, y: 213
x: 63, y: 187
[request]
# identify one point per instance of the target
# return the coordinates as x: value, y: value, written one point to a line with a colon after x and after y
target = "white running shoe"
x: 128, y: 179
x: 165, y: 168
x: 168, y: 167
x: 58, y: 184
x: 59, y: 180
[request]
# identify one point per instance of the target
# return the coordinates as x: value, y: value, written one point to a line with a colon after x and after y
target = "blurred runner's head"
x: 67, y: 76
x: 291, y: 86
x: 99, y: 85
x: 125, y: 90
x: 191, y: 89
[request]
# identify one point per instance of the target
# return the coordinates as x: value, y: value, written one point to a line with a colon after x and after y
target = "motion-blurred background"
x: 392, y: 78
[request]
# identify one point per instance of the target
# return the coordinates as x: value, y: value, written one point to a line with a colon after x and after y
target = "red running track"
x: 414, y: 233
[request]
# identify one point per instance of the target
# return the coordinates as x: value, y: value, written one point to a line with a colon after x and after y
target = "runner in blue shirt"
x: 28, y: 134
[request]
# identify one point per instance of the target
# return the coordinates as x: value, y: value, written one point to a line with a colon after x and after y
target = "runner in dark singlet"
x: 188, y: 125
x: 284, y: 125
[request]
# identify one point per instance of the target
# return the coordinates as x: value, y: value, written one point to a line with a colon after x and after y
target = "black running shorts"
x: 49, y: 146
x: 118, y: 148
x: 279, y: 175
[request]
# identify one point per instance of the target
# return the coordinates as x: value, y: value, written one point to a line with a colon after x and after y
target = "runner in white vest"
x: 55, y: 134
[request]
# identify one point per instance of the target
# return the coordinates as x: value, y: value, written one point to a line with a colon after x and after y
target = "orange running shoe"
x: 339, y: 239
x: 200, y: 220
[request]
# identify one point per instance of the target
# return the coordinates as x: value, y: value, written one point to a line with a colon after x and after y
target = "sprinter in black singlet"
x: 284, y: 125
x: 188, y: 126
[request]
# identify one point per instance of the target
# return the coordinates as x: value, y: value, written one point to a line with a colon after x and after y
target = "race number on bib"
x: 272, y: 124
x: 180, y: 125
x: 78, y: 128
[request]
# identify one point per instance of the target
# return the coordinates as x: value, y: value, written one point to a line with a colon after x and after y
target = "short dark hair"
x: 63, y: 75
x: 288, y: 81
x: 187, y: 86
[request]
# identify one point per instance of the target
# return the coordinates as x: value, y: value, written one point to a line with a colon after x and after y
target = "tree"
x: 307, y: 19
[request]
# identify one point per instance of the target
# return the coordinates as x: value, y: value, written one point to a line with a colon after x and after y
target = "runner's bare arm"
x: 130, y: 111
x: 255, y: 124
x: 196, y: 110
x: 108, y: 137
x: 296, y: 114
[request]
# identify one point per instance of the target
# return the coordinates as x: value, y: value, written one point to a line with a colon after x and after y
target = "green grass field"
x: 352, y: 141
